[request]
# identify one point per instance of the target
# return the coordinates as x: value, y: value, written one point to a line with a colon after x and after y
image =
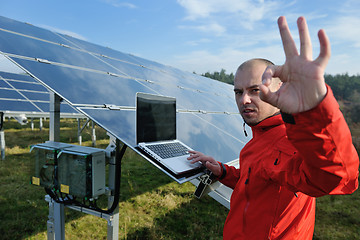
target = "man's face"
x: 247, y: 94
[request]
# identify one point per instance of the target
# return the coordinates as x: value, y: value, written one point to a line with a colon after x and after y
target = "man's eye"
x: 238, y: 92
x: 255, y: 90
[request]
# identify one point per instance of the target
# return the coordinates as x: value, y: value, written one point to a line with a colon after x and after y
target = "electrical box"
x: 70, y: 169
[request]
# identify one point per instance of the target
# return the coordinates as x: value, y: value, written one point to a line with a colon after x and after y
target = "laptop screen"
x: 155, y: 118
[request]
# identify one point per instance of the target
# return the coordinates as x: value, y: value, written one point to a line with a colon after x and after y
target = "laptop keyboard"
x: 169, y: 150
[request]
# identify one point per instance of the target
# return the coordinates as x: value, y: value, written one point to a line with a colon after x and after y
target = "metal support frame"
x: 80, y: 129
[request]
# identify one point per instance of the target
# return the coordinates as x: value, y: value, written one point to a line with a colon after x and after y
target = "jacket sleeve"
x: 325, y: 161
x: 229, y: 175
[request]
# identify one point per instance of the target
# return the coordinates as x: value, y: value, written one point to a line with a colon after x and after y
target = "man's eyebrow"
x: 237, y: 89
x: 250, y: 87
x: 253, y: 86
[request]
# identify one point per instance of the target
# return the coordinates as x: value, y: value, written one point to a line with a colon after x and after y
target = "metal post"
x: 59, y: 221
x: 79, y: 132
x: 50, y: 222
x: 41, y: 124
x: 54, y: 126
x: 56, y: 210
x: 113, y: 222
x: 2, y: 143
x: 32, y: 124
x: 93, y: 136
x: 2, y: 136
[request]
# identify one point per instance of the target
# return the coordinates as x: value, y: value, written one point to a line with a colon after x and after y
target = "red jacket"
x: 284, y: 167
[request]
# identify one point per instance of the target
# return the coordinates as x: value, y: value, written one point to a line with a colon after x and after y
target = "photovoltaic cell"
x: 11, y: 94
x: 102, y: 83
x: 4, y: 85
x: 22, y: 93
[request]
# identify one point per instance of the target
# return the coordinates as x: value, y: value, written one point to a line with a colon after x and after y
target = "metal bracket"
x: 205, y: 181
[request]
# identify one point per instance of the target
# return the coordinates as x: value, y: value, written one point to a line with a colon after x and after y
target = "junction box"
x: 70, y: 169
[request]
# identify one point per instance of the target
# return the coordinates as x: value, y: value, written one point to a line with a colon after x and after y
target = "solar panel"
x: 102, y: 83
x: 20, y: 93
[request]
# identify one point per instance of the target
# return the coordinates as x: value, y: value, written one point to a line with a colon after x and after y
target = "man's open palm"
x: 303, y: 80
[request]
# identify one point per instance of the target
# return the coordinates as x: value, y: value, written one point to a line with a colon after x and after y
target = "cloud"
x: 8, y: 66
x: 241, y: 30
x: 220, y: 17
x: 213, y: 28
x: 249, y: 9
x: 63, y: 31
x: 116, y: 3
x: 346, y: 28
x: 198, y: 42
x: 202, y: 61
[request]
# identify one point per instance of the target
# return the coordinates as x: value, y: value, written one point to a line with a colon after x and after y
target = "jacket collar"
x: 267, y: 124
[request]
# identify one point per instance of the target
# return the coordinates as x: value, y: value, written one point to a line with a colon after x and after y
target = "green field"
x: 152, y: 206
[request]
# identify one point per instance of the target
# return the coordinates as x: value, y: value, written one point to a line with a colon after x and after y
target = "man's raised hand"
x: 303, y: 84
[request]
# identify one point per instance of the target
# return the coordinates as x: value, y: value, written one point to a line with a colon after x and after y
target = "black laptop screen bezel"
x: 155, y: 118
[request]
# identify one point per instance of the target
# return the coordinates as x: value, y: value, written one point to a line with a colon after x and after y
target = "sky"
x: 199, y: 35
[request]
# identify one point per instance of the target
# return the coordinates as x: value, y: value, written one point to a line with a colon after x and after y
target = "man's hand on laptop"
x: 207, y: 161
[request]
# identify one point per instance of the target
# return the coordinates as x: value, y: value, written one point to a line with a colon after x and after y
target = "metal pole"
x: 50, y: 222
x: 79, y: 132
x: 41, y: 124
x: 2, y: 143
x: 113, y: 222
x: 59, y: 221
x: 2, y: 136
x: 93, y: 136
x: 56, y: 219
x: 54, y: 125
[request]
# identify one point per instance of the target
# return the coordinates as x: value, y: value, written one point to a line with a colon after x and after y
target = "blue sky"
x: 198, y: 35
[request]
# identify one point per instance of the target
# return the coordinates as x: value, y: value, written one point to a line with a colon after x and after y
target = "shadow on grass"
x: 197, y: 219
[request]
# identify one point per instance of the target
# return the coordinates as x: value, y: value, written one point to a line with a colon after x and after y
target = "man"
x: 293, y: 157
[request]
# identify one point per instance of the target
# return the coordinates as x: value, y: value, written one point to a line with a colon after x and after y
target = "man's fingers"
x: 267, y: 96
x: 325, y: 50
x: 214, y: 168
x: 287, y: 40
x: 272, y: 71
x: 305, y: 41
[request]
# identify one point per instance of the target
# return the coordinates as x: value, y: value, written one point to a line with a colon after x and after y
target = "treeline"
x: 220, y: 76
x: 346, y: 90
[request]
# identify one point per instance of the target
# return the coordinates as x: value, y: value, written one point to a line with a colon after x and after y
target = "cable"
x: 119, y: 156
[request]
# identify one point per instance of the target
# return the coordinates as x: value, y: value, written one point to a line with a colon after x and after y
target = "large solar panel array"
x: 102, y: 83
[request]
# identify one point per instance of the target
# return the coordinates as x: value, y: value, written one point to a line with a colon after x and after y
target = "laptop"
x: 156, y: 133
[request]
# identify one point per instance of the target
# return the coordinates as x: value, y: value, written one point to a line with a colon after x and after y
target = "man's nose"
x: 245, y: 99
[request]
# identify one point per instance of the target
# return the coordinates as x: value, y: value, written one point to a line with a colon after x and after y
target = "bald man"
x: 301, y: 146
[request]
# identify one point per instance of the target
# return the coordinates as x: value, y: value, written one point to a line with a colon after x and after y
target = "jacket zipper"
x: 246, y: 196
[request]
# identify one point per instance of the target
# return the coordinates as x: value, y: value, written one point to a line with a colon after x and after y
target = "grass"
x: 152, y: 206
